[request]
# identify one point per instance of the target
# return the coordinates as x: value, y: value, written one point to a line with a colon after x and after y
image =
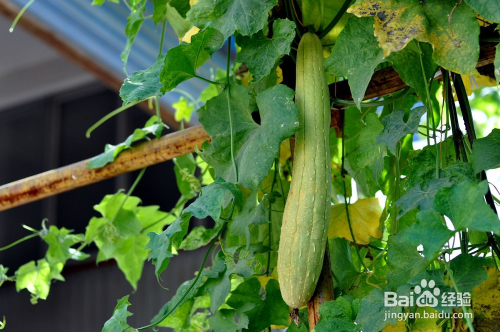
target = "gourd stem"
x: 343, y: 172
x: 335, y: 20
x: 228, y: 93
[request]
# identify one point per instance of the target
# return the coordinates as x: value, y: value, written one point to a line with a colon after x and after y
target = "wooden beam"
x: 70, y: 52
x: 386, y: 81
x: 78, y: 175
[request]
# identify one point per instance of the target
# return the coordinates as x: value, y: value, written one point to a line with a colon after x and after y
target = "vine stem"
x: 130, y: 191
x: 20, y: 241
x: 471, y: 135
x: 19, y: 15
x: 162, y: 37
x: 207, y: 80
x: 335, y: 20
x: 343, y: 171
x: 228, y: 93
x: 369, y: 104
x: 430, y: 113
x: 192, y: 285
x: 109, y: 116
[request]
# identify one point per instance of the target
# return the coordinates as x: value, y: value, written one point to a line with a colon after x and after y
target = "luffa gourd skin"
x: 307, y: 211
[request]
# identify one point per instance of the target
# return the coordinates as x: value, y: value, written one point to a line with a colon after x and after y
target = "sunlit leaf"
x: 244, y: 16
x: 118, y: 322
x: 355, y: 56
x: 364, y: 216
x: 260, y: 53
x: 486, y: 152
x: 255, y: 146
x: 397, y: 22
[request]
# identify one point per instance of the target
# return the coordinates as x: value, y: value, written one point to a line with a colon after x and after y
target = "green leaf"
x: 336, y: 316
x: 162, y: 245
x: 160, y: 10
x: 3, y: 274
x: 181, y: 292
x: 134, y: 23
x: 372, y: 312
x: 486, y: 152
x: 199, y: 237
x: 188, y: 184
x: 121, y: 238
x: 210, y: 203
x: 271, y: 310
x: 421, y: 195
x: 179, y: 23
x: 464, y: 204
x: 181, y: 61
x: 355, y: 56
x: 404, y: 260
x: 35, y: 277
x: 397, y: 22
x: 112, y: 151
x: 118, y: 322
x: 180, y: 318
x: 490, y: 10
x: 130, y: 256
x: 369, y: 152
x: 407, y: 63
x: 143, y: 84
x: 430, y: 230
x: 395, y: 128
x: 343, y: 269
x: 255, y: 146
x: 101, y: 2
x: 60, y: 242
x: 260, y: 53
x: 312, y: 12
x: 437, y: 275
x: 223, y: 321
x: 213, y: 198
x: 219, y: 283
x: 253, y: 213
x: 468, y: 272
x: 243, y: 16
x: 182, y: 6
x: 183, y: 110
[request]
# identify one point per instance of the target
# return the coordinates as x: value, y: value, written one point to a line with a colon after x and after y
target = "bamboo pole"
x: 323, y: 292
x: 78, y: 175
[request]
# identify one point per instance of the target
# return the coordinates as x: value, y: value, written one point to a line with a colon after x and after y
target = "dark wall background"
x: 50, y: 133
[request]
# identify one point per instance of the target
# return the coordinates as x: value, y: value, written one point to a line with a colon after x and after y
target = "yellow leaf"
x: 486, y: 296
x: 285, y: 151
x: 364, y: 216
x: 246, y: 78
x: 424, y: 324
x: 395, y: 328
x: 279, y: 73
x: 264, y: 280
x: 472, y: 83
x: 187, y: 37
x: 193, y: 2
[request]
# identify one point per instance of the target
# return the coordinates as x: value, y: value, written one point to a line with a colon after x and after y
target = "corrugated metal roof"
x: 100, y: 32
